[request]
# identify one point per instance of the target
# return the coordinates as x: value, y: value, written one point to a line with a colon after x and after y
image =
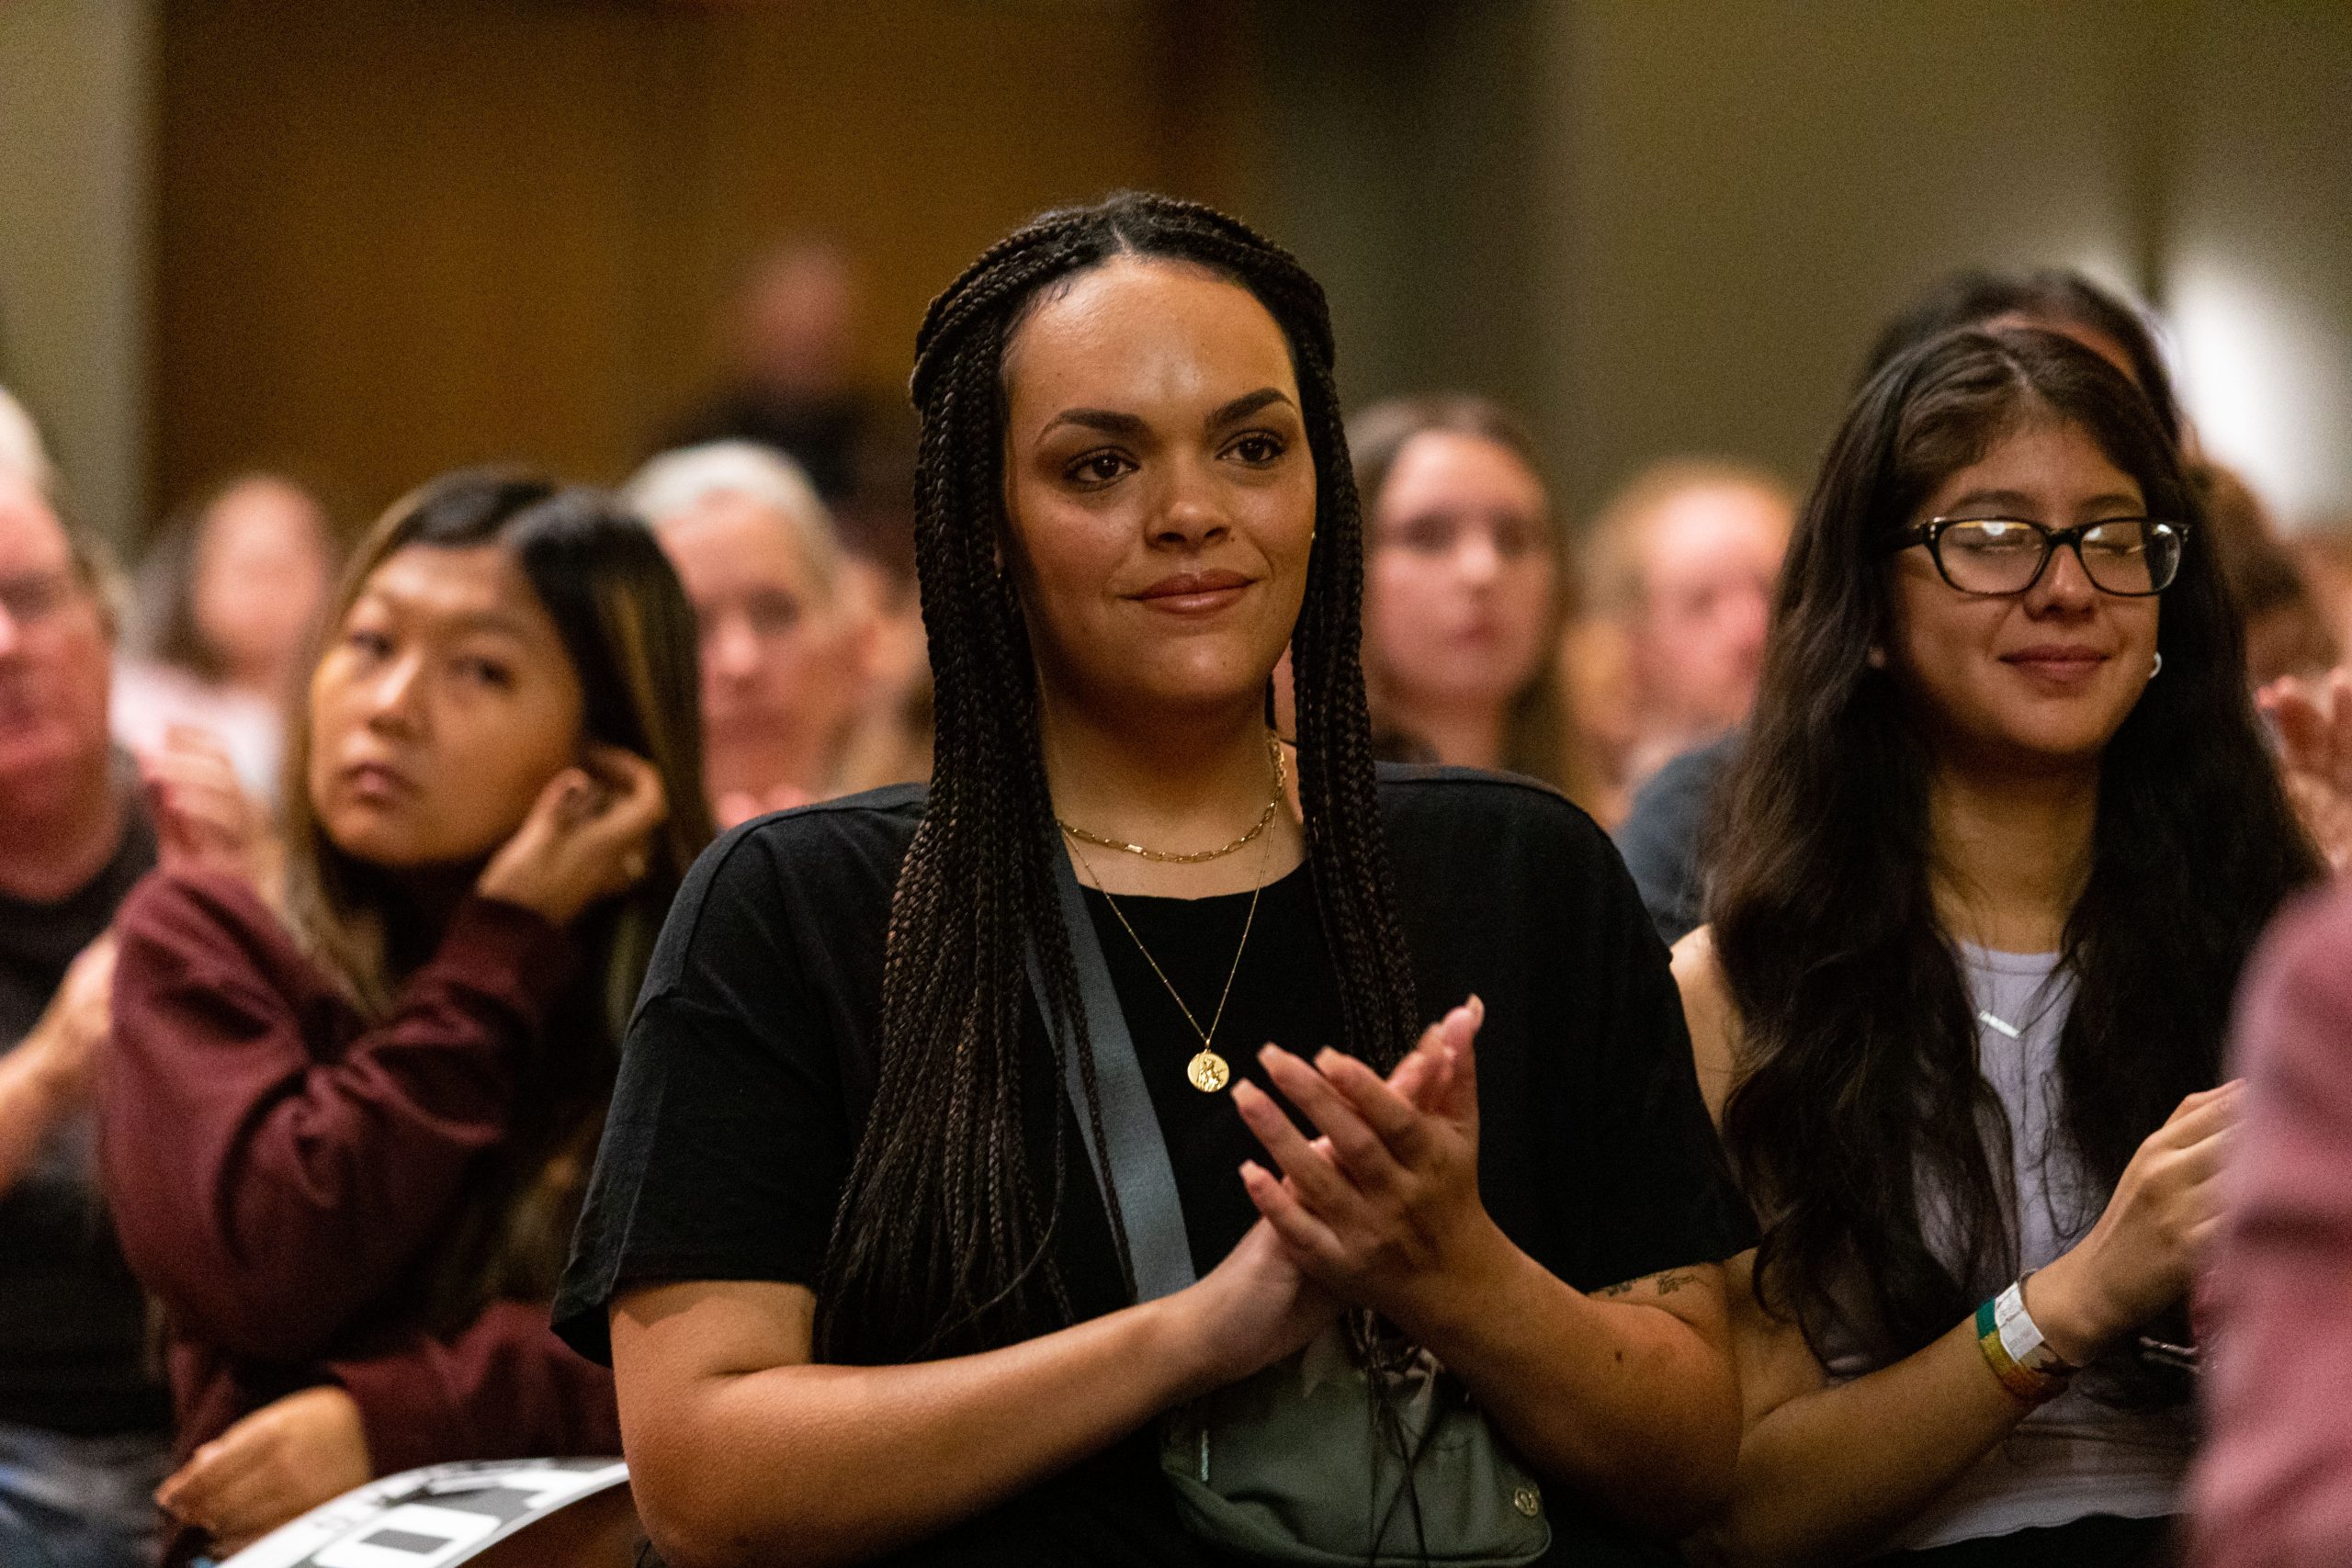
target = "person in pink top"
x: 2274, y: 1489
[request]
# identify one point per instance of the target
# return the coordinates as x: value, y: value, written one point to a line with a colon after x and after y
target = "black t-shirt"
x: 73, y: 1320
x: 751, y: 1065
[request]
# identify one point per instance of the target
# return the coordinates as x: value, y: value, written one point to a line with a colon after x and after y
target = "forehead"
x: 2052, y: 460
x: 1136, y: 333
x: 31, y: 538
x: 1438, y: 467
x: 459, y: 588
x: 259, y: 511
x: 730, y: 541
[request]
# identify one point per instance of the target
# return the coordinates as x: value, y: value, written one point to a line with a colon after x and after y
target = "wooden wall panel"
x: 394, y: 236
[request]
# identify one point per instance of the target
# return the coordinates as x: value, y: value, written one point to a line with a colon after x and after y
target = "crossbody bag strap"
x: 1133, y: 1168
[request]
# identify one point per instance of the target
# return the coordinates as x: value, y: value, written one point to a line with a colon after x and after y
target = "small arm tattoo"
x: 1665, y: 1284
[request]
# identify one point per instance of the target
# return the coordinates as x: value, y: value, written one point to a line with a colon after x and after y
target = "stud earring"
x: 2158, y: 668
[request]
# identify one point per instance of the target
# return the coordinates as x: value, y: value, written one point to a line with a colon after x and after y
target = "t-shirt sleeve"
x: 728, y: 1140
x: 1652, y: 1173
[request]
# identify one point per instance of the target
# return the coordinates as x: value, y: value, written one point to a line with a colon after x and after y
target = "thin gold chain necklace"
x: 1266, y: 819
x: 1206, y: 1071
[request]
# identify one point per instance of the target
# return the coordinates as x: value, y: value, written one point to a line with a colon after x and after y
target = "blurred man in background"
x: 84, y: 1436
x: 1683, y: 562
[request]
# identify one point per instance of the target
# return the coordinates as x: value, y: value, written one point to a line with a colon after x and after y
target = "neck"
x: 2012, y: 851
x: 1462, y: 735
x: 1177, y: 785
x: 762, y: 770
x: 51, y: 852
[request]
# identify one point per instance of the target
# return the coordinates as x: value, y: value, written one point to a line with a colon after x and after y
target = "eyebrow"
x: 1113, y: 423
x: 465, y: 622
x: 2007, y: 501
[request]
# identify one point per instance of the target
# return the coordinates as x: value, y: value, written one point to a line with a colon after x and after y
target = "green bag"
x: 1297, y: 1465
x: 1304, y: 1462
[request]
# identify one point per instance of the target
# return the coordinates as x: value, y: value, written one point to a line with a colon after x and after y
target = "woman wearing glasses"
x: 2001, y: 840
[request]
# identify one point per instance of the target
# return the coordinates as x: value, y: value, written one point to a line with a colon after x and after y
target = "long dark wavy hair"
x: 942, y: 1242
x: 629, y: 632
x: 1858, y: 1094
x: 2050, y: 297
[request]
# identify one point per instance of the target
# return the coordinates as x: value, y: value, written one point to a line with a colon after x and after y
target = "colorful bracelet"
x: 2033, y: 1372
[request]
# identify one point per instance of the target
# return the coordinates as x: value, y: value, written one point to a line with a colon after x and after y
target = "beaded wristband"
x: 2033, y: 1372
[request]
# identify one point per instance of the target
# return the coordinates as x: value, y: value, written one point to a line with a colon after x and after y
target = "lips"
x: 2056, y: 664
x: 1193, y: 591
x: 375, y: 781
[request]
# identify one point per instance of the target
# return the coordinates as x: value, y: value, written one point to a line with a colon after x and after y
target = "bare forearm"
x: 1829, y: 1476
x: 31, y: 1104
x: 778, y: 1466
x: 1624, y: 1403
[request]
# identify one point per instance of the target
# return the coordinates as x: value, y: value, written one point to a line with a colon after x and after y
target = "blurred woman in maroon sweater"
x: 344, y: 1127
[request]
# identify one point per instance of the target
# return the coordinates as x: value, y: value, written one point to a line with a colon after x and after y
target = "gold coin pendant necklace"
x: 1207, y: 1071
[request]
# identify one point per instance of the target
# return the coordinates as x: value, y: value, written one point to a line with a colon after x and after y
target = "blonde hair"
x: 676, y: 483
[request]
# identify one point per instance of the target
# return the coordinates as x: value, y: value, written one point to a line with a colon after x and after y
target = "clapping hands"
x: 1383, y: 1209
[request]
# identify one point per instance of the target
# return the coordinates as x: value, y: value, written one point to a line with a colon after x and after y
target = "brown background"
x: 396, y: 236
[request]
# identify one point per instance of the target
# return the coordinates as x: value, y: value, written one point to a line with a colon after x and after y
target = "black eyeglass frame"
x: 1931, y: 534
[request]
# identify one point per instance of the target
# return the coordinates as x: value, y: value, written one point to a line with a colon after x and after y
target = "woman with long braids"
x: 2002, y: 835
x: 845, y: 1245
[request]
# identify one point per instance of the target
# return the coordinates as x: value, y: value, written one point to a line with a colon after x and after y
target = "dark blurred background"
x: 369, y: 239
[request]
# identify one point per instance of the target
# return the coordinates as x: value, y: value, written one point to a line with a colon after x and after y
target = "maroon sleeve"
x: 266, y: 1184
x: 504, y: 1388
x: 2274, y: 1485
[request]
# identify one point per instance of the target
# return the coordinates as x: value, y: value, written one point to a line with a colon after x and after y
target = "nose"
x: 2065, y: 588
x: 1193, y: 513
x: 733, y: 650
x: 395, y: 699
x: 1475, y: 559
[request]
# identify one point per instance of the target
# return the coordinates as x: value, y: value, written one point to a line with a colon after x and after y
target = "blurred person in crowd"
x: 843, y: 1225
x: 2324, y: 555
x: 793, y: 344
x: 84, y: 1418
x: 1465, y: 582
x: 2273, y: 1488
x: 343, y: 1128
x: 2287, y: 630
x: 21, y: 448
x: 230, y: 596
x: 1683, y: 560
x: 2001, y: 837
x: 786, y: 620
x: 1664, y: 836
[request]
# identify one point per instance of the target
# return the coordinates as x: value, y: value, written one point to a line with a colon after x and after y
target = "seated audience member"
x: 783, y: 617
x: 230, y: 596
x: 2273, y: 1488
x: 83, y: 1419
x: 794, y: 345
x: 2287, y: 629
x: 2001, y: 837
x: 1664, y: 836
x: 862, y: 1292
x: 1683, y: 560
x: 1465, y: 582
x: 344, y: 1129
